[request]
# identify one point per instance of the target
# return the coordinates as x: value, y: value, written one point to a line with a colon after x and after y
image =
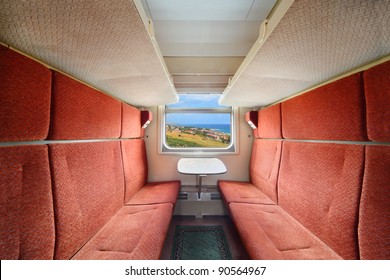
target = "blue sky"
x: 181, y: 118
x: 197, y: 101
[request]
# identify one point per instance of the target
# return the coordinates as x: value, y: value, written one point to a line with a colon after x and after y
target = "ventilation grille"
x: 213, y: 196
x: 183, y: 196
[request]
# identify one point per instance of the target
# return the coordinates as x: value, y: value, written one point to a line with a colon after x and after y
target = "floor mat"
x: 200, y: 243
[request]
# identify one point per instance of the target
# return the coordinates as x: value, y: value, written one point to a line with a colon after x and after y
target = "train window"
x: 197, y: 123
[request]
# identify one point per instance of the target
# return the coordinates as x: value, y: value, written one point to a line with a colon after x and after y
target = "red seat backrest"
x: 25, y: 97
x: 88, y: 189
x: 27, y: 217
x: 81, y: 112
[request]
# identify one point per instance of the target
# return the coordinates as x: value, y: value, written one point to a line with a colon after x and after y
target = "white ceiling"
x: 209, y: 10
x: 194, y: 35
x: 107, y: 44
x: 315, y: 41
x: 102, y: 43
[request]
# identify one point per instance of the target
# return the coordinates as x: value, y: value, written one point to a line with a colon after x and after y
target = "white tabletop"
x: 201, y: 166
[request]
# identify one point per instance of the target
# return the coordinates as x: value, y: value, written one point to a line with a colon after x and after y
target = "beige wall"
x: 164, y: 167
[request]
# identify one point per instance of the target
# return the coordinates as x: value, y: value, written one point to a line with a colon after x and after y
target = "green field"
x: 184, y: 140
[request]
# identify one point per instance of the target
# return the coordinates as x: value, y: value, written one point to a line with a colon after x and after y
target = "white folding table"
x: 201, y: 167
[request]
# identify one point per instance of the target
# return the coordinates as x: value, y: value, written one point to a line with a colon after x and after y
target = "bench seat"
x: 242, y: 192
x: 134, y: 233
x: 263, y: 169
x: 157, y: 192
x: 92, y: 221
x: 269, y: 233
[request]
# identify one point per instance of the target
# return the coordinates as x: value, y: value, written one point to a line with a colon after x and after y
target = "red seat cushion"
x: 377, y: 91
x: 242, y: 192
x: 332, y: 112
x: 81, y: 112
x: 131, y: 122
x: 88, y: 190
x: 25, y: 97
x: 320, y: 185
x: 158, y: 192
x: 264, y: 166
x: 269, y: 233
x: 269, y: 125
x: 135, y: 166
x: 374, y: 225
x: 134, y: 233
x: 26, y: 209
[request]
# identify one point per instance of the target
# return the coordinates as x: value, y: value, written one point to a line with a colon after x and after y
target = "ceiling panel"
x: 206, y: 31
x: 205, y: 49
x: 204, y: 65
x: 102, y: 43
x: 315, y: 41
x: 196, y: 30
x: 199, y: 10
x: 260, y: 10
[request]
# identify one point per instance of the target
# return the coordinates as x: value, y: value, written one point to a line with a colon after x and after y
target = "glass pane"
x: 197, y: 101
x: 197, y: 130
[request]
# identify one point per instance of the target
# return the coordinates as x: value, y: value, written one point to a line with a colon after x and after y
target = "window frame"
x: 231, y: 149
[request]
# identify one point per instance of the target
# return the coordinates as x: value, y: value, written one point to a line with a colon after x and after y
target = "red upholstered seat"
x: 320, y: 185
x: 138, y: 191
x: 131, y: 122
x: 134, y: 233
x: 135, y: 166
x: 244, y: 192
x: 269, y: 125
x: 157, y: 192
x: 26, y: 209
x: 80, y: 112
x: 88, y: 190
x: 90, y: 217
x: 377, y: 91
x: 264, y: 168
x: 25, y: 97
x: 323, y: 211
x: 374, y: 225
x: 332, y: 112
x: 269, y: 233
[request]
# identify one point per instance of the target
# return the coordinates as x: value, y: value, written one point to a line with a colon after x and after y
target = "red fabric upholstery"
x: 377, y: 91
x: 131, y: 122
x: 155, y: 193
x: 374, y: 226
x: 135, y: 232
x: 320, y: 186
x: 88, y: 190
x: 264, y: 166
x: 135, y: 166
x: 24, y: 97
x: 270, y: 122
x: 269, y: 233
x: 332, y: 112
x: 26, y: 207
x: 80, y: 112
x: 136, y: 174
x: 242, y: 192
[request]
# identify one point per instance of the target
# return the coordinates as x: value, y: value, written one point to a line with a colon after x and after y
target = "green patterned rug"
x: 200, y: 243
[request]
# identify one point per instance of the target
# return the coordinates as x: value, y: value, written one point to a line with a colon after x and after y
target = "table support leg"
x: 199, y: 183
